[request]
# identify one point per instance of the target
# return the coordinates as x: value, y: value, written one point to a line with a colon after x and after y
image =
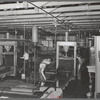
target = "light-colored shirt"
x: 42, y: 67
x: 26, y: 56
x: 44, y: 63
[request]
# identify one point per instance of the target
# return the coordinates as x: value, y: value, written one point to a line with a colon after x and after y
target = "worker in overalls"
x: 42, y: 67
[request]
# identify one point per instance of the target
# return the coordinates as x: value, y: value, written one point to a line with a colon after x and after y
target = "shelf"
x: 8, y: 53
x: 66, y: 58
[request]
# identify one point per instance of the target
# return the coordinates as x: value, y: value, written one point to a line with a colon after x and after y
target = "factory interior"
x: 50, y: 49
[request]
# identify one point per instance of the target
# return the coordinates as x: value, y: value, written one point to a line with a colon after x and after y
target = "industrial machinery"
x: 66, y: 56
x: 66, y: 62
x: 30, y: 88
x: 8, y: 58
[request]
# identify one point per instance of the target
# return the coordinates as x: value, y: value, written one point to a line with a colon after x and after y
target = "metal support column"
x: 66, y: 36
x: 24, y: 50
x: 35, y: 40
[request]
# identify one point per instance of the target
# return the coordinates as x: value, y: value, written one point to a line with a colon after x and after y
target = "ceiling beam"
x: 49, y: 5
x: 21, y: 13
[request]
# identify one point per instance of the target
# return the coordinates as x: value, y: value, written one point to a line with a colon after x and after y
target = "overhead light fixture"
x: 69, y: 30
x: 7, y: 35
x: 55, y: 22
x: 39, y: 27
x: 15, y: 32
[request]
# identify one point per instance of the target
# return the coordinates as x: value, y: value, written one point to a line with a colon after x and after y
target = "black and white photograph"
x: 49, y: 49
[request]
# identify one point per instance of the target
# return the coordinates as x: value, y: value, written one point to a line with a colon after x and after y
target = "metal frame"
x: 2, y: 43
x: 57, y: 55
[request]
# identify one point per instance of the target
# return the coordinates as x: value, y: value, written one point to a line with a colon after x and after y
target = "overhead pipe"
x: 26, y: 40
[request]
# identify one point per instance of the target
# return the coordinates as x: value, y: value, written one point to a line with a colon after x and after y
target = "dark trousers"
x: 27, y: 69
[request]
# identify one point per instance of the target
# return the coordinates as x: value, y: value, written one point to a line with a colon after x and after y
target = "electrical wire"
x: 58, y: 20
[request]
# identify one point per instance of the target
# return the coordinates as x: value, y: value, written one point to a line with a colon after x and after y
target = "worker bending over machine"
x: 42, y: 67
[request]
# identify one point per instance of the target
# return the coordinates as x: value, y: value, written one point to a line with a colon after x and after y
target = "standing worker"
x: 26, y: 63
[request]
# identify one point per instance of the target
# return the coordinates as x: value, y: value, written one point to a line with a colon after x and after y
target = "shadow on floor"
x: 76, y: 89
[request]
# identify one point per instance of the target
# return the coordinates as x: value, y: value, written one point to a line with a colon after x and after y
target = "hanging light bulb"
x: 69, y: 30
x: 99, y: 30
x: 7, y: 35
x: 15, y: 32
x: 55, y: 22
